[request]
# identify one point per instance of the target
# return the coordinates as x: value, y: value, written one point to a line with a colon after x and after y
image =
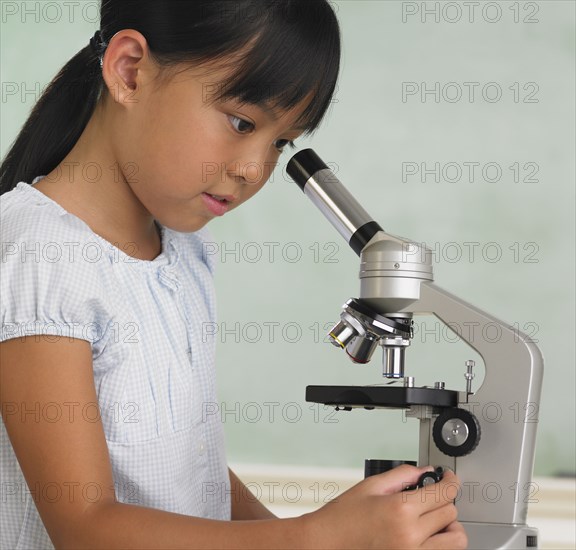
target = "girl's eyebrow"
x: 273, y: 117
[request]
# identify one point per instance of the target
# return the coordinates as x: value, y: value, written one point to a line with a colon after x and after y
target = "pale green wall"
x: 369, y: 133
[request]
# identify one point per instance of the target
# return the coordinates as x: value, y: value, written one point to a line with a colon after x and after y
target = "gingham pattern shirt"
x: 153, y: 364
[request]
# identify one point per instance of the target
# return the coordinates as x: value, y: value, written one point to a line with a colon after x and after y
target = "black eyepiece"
x: 303, y: 165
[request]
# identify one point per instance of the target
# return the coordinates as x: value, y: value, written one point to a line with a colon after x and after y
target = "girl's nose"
x: 251, y: 168
x: 249, y: 173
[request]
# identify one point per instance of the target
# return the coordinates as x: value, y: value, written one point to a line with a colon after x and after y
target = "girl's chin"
x: 190, y: 225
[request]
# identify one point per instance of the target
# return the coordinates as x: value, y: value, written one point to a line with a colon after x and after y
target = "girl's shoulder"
x: 55, y: 274
x: 27, y: 215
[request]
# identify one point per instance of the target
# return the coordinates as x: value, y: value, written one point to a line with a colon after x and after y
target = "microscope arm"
x: 505, y: 405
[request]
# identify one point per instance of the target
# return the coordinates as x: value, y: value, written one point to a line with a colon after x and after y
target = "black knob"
x: 427, y: 478
x: 456, y: 432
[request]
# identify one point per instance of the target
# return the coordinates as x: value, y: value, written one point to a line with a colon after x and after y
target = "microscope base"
x: 500, y: 536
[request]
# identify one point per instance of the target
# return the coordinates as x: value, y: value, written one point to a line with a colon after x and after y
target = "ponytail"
x: 56, y: 122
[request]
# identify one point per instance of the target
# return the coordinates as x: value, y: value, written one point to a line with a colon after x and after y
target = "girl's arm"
x: 71, y: 454
x: 245, y: 505
x: 70, y: 457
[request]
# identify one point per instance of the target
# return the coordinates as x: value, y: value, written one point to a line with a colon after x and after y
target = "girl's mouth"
x: 216, y: 204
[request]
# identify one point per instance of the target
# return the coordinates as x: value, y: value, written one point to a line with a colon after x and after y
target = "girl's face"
x: 189, y: 159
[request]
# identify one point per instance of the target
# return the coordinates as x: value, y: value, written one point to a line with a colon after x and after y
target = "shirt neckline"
x: 168, y: 255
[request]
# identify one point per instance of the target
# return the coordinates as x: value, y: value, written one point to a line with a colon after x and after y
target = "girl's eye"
x: 281, y: 143
x: 240, y: 125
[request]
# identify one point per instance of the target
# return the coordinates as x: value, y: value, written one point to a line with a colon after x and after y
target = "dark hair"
x: 288, y: 50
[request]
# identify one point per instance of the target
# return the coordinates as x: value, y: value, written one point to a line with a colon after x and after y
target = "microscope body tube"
x: 324, y: 189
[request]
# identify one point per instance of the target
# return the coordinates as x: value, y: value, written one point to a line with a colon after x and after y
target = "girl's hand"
x: 376, y: 513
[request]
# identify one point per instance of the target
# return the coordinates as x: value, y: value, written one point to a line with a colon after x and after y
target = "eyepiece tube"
x: 324, y: 189
x: 303, y: 165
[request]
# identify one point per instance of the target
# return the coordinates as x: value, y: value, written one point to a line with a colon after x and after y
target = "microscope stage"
x: 370, y: 397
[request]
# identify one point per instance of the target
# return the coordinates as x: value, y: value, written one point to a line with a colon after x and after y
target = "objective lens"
x: 361, y: 349
x: 342, y: 334
x: 393, y: 362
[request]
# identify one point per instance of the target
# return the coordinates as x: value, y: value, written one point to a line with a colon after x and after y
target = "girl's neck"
x: 89, y: 184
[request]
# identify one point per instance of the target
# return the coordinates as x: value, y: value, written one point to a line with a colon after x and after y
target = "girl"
x: 147, y: 134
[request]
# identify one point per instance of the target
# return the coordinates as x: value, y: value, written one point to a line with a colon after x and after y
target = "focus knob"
x: 456, y: 432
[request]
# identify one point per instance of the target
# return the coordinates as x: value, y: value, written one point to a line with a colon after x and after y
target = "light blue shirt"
x: 153, y: 364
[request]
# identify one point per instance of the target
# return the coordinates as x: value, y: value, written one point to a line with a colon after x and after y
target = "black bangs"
x: 295, y: 55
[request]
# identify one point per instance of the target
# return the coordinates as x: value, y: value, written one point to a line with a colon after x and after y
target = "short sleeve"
x: 52, y: 282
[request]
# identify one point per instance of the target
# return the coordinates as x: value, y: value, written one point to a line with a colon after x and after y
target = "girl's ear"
x: 125, y: 66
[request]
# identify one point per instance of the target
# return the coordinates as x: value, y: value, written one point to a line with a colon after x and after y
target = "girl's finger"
x: 453, y: 537
x: 396, y: 480
x: 431, y: 497
x: 437, y: 520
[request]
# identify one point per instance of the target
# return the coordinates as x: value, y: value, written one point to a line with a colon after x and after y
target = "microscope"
x: 486, y: 436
